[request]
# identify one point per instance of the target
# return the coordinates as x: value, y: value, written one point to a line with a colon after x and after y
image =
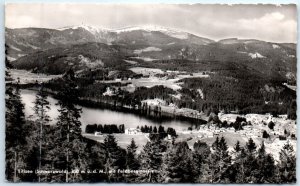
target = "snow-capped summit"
x: 152, y: 28
x: 146, y: 28
x: 91, y: 29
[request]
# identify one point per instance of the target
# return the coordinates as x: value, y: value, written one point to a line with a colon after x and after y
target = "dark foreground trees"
x: 41, y: 109
x: 70, y: 148
x: 16, y: 133
x: 115, y: 159
x: 158, y: 161
x: 178, y: 164
x: 151, y: 159
x: 287, y: 165
x: 132, y: 162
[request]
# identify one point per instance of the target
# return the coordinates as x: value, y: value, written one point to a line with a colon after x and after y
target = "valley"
x: 157, y: 77
x: 27, y: 77
x: 151, y: 93
x: 188, y: 131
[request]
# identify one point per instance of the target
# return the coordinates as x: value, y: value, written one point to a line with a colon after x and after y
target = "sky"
x: 264, y: 22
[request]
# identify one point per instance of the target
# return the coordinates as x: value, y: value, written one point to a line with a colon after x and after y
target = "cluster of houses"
x: 251, y: 132
x: 133, y: 131
x: 109, y: 92
x: 260, y: 123
x: 129, y: 131
x: 209, y: 132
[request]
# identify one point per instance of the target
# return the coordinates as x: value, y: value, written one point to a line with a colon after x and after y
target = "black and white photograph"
x: 150, y: 93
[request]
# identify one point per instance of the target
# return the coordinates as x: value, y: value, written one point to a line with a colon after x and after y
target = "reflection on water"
x: 100, y: 115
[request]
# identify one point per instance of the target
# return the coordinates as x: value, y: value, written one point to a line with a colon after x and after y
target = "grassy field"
x: 165, y: 81
x: 140, y: 139
x: 122, y: 139
x: 231, y: 138
x: 155, y: 81
x: 272, y: 146
x: 28, y: 77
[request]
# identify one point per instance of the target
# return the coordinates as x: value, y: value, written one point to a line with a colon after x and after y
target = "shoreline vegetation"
x: 196, y: 98
x: 151, y: 112
x: 186, y: 157
x: 151, y: 104
x: 217, y: 150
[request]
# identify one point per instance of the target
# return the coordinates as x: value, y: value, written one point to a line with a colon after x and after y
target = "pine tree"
x: 53, y: 155
x: 247, y: 164
x: 151, y: 159
x: 96, y: 161
x: 287, y: 165
x: 70, y: 148
x: 269, y: 169
x: 41, y: 107
x: 238, y: 169
x: 264, y: 172
x: 132, y: 163
x: 150, y: 129
x: 161, y: 129
x: 155, y: 129
x: 262, y: 150
x: 201, y: 154
x: 250, y: 162
x: 115, y: 159
x: 16, y: 133
x: 131, y: 160
x: 178, y: 160
x: 220, y: 160
x: 251, y: 146
x: 237, y: 147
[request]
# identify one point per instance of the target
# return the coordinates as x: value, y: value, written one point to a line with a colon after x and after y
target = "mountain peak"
x: 153, y: 28
x: 144, y: 27
x: 148, y: 28
x: 92, y: 29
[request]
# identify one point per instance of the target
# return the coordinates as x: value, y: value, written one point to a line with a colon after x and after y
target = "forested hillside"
x: 59, y: 153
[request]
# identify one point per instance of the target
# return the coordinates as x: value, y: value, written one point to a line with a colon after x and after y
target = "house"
x: 250, y: 135
x: 186, y: 132
x: 98, y: 133
x: 248, y: 127
x: 231, y: 129
x: 216, y: 134
x: 109, y: 92
x: 201, y: 136
x: 210, y: 134
x: 132, y: 131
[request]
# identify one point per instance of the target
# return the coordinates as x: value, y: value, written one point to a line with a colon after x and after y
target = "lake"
x: 102, y: 115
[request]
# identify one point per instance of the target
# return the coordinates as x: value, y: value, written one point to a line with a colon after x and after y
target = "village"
x: 284, y: 131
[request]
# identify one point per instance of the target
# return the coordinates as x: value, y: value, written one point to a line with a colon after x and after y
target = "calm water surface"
x: 102, y: 116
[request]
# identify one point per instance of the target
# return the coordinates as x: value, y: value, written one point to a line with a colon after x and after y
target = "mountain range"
x: 90, y: 46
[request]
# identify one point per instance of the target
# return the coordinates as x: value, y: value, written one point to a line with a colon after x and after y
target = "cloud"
x: 269, y: 27
x: 276, y: 15
x: 268, y: 20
